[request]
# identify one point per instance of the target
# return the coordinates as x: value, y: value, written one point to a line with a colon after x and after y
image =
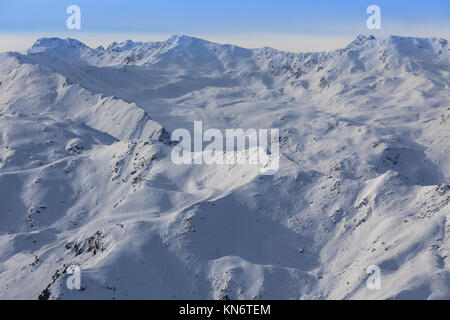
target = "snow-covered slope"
x: 86, y: 176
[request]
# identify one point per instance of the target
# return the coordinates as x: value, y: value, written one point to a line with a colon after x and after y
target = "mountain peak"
x: 185, y: 40
x: 51, y: 43
x: 123, y: 46
x: 361, y: 39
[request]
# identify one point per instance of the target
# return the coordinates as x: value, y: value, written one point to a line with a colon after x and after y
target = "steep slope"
x: 35, y: 89
x: 86, y: 176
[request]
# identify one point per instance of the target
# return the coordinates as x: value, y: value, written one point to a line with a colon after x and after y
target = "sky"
x: 292, y: 25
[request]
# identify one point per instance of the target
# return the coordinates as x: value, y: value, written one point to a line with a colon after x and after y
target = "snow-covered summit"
x: 86, y: 176
x: 58, y: 43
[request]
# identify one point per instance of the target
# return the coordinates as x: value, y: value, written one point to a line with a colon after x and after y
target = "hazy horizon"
x: 293, y: 26
x: 283, y: 42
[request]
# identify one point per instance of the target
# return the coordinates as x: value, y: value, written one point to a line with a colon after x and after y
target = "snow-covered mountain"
x: 86, y: 176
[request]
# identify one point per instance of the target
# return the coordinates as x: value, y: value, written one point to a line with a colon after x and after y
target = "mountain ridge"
x: 86, y: 176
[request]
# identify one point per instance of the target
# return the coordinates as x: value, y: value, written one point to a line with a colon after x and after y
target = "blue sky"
x: 282, y: 23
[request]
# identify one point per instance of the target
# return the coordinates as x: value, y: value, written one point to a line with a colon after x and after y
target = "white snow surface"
x: 86, y: 176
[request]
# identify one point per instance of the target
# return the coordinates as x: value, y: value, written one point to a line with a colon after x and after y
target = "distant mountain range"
x: 86, y: 176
